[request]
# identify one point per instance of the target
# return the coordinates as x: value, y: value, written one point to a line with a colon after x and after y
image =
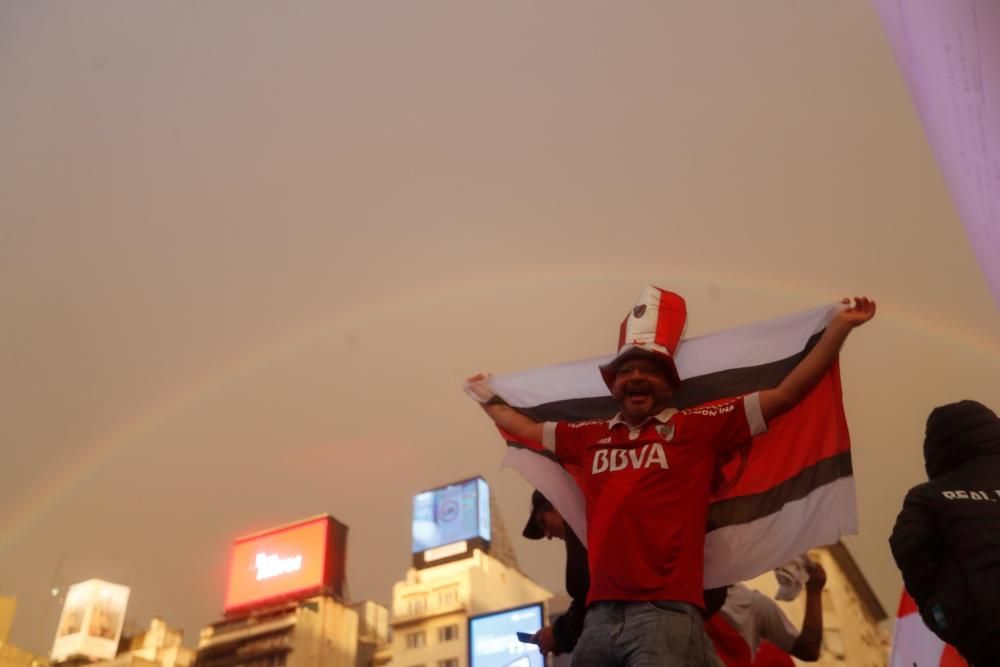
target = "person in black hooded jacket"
x: 946, y: 541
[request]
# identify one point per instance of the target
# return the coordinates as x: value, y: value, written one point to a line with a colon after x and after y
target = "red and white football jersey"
x: 647, y: 490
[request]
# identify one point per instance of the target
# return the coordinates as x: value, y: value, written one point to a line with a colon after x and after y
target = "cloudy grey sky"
x: 248, y: 252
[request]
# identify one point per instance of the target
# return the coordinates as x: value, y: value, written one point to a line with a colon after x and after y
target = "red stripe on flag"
x: 951, y: 657
x: 537, y: 446
x: 812, y: 431
x: 907, y: 605
x: 729, y: 645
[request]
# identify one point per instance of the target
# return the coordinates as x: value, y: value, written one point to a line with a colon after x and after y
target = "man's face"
x: 552, y: 524
x: 641, y: 387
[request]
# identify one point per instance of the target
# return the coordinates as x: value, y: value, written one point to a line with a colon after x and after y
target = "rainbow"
x: 686, y: 280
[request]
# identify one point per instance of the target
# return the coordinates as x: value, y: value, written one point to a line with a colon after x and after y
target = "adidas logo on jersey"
x: 613, y: 460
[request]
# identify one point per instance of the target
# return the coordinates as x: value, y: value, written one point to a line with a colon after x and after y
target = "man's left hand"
x: 856, y: 315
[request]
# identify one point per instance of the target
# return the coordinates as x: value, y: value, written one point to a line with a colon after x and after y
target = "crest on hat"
x: 658, y: 335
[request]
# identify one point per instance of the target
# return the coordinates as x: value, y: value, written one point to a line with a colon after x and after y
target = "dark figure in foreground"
x: 947, y: 537
x: 545, y: 521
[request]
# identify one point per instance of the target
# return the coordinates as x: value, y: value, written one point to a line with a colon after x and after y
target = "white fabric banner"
x: 949, y: 54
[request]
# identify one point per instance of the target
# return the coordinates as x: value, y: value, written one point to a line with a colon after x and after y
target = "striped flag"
x: 792, y: 490
x: 913, y: 643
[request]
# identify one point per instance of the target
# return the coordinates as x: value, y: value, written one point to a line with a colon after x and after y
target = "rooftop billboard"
x: 450, y: 520
x: 91, y: 621
x: 289, y: 562
x: 493, y: 638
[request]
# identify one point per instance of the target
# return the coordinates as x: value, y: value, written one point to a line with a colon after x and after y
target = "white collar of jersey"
x: 663, y: 417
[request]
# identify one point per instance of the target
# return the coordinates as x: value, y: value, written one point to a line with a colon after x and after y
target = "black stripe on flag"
x: 694, y: 390
x: 541, y: 452
x: 743, y: 509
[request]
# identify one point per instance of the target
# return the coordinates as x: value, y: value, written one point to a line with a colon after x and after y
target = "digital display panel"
x: 296, y: 560
x: 91, y: 621
x: 484, y: 509
x: 493, y: 638
x: 451, y: 514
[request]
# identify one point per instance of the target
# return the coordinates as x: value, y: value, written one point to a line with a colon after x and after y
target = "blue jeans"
x: 644, y: 634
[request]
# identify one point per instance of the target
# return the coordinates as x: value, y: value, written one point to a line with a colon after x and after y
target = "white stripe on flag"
x: 555, y: 484
x: 914, y: 644
x: 751, y: 345
x: 743, y: 551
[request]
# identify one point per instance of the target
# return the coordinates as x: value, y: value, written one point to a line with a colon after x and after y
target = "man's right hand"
x: 476, y: 387
x: 504, y: 416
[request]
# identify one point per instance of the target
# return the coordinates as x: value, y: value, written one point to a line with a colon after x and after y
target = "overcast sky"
x: 249, y: 251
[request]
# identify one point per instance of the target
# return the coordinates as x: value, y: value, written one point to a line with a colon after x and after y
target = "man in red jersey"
x: 646, y: 475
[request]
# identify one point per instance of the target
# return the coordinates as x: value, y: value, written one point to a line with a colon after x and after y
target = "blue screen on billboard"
x: 450, y: 514
x: 493, y: 638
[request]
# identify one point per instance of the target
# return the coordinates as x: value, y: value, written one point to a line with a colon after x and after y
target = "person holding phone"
x: 545, y: 521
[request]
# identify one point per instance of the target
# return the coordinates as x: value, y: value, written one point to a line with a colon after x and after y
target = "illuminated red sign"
x: 292, y: 561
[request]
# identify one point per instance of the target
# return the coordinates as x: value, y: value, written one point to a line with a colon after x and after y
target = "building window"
x: 448, y: 633
x: 450, y: 662
x: 416, y: 639
x: 834, y: 643
x: 416, y: 604
x: 447, y: 597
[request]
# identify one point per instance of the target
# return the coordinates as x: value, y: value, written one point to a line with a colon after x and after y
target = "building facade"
x: 432, y: 606
x: 14, y: 656
x: 315, y: 632
x: 11, y: 655
x: 159, y: 646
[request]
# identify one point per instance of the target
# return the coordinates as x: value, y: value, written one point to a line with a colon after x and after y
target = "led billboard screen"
x: 493, y: 638
x: 293, y: 561
x: 451, y: 515
x: 91, y: 621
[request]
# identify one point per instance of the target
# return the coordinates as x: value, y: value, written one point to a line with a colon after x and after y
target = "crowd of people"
x: 946, y: 541
x: 746, y: 628
x: 647, y: 476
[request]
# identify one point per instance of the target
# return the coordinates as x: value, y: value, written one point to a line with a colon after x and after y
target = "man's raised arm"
x: 504, y: 416
x: 775, y: 402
